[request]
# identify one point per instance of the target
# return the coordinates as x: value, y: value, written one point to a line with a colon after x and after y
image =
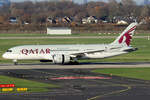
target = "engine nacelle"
x: 61, y: 59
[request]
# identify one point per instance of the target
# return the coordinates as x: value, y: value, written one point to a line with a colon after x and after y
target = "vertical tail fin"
x: 126, y: 35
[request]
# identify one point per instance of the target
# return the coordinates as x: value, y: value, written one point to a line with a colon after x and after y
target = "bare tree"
x: 128, y: 2
x: 145, y: 11
x: 113, y: 8
x: 129, y: 7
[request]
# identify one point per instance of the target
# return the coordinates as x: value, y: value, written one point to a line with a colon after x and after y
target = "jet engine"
x: 61, y: 59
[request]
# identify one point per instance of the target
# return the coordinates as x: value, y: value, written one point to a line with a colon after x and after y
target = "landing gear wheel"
x: 73, y: 63
x: 15, y: 62
x: 76, y: 62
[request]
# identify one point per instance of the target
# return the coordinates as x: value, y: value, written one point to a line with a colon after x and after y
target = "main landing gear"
x: 15, y: 62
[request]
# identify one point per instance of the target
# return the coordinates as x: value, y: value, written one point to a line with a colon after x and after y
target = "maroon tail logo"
x: 128, y: 36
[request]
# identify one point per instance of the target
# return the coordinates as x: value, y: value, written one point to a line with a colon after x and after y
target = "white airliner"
x: 62, y: 54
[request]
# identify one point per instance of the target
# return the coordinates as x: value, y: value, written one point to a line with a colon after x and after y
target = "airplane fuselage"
x: 46, y: 52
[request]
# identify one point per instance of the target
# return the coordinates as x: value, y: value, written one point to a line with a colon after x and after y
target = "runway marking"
x: 129, y: 87
x: 114, y: 92
x: 80, y: 77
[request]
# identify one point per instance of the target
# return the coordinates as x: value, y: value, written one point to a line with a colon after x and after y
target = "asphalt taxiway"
x: 114, y: 88
x: 79, y: 66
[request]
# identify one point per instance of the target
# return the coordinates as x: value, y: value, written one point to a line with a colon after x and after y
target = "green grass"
x: 137, y: 73
x: 44, y: 34
x: 31, y: 85
x: 76, y: 34
x: 142, y: 55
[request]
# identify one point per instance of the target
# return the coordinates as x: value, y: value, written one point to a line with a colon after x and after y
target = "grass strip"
x: 137, y: 73
x: 32, y: 86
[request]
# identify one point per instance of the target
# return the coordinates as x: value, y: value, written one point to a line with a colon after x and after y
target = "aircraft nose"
x: 5, y: 56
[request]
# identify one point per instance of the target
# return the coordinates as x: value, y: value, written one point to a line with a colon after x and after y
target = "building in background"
x: 90, y: 20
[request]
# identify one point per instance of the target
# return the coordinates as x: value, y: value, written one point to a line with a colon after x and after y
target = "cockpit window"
x: 9, y: 50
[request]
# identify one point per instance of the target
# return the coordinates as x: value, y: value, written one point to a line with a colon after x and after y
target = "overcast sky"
x: 79, y: 1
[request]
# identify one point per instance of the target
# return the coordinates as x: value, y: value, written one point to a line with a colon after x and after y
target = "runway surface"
x: 70, y: 37
x: 115, y: 88
x: 79, y: 66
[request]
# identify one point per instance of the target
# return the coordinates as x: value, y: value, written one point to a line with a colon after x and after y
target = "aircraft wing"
x: 80, y: 54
